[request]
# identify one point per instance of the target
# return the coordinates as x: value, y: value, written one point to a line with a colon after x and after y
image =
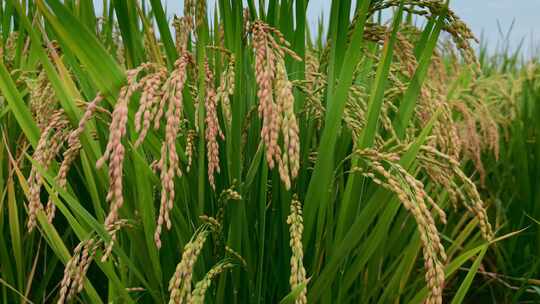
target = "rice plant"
x: 233, y: 154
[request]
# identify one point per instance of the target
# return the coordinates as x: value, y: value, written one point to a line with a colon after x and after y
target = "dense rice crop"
x: 235, y: 155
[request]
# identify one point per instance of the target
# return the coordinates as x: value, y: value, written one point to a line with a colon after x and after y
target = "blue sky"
x: 483, y: 16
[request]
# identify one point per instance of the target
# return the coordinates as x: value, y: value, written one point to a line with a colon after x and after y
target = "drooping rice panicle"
x: 199, y: 292
x: 276, y: 109
x: 212, y: 129
x: 412, y: 195
x: 69, y: 155
x: 169, y: 162
x: 49, y: 145
x: 180, y: 283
